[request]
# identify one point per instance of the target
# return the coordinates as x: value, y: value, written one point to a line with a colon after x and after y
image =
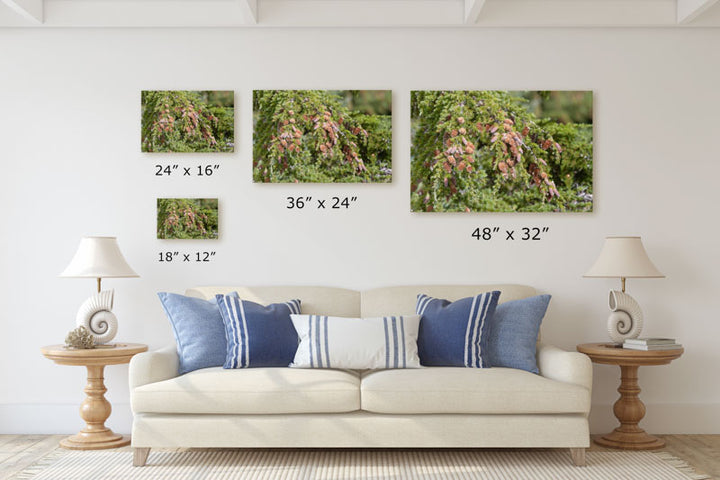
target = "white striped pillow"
x: 356, y: 343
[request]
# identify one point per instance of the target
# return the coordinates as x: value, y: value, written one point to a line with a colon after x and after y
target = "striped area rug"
x: 357, y: 464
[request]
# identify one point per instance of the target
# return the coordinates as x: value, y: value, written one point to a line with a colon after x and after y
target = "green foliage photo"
x: 322, y: 136
x: 500, y: 151
x: 188, y: 121
x: 187, y: 218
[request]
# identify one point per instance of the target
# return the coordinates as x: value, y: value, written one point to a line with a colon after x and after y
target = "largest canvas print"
x: 502, y: 151
x: 322, y: 136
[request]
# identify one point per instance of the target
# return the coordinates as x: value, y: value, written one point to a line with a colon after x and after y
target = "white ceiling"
x: 357, y: 13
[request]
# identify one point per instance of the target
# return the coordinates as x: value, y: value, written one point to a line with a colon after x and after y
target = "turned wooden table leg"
x: 629, y: 410
x: 95, y: 409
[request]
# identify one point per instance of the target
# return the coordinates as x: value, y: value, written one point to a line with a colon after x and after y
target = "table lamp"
x: 98, y: 257
x: 623, y: 257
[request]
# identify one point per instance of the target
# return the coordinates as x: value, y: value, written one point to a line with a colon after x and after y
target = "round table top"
x: 112, y: 354
x: 612, y: 354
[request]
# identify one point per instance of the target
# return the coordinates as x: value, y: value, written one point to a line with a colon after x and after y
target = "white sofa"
x: 434, y: 407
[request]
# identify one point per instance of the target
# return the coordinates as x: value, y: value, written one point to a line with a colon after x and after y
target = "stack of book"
x: 651, y: 344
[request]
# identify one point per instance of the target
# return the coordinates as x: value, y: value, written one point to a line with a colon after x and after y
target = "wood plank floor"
x: 702, y: 452
x: 17, y: 452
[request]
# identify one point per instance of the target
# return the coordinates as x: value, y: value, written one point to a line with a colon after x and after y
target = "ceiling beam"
x: 472, y: 10
x: 249, y: 7
x: 29, y: 9
x: 149, y: 13
x: 360, y: 13
x: 578, y: 13
x: 689, y: 10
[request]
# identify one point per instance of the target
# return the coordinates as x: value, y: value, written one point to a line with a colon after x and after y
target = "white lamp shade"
x: 623, y: 257
x: 98, y: 257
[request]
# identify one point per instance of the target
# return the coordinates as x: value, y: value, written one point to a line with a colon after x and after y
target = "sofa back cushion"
x: 315, y: 300
x: 378, y: 302
x: 401, y: 300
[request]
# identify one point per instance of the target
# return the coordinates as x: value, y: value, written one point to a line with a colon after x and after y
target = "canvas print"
x: 502, y: 151
x: 187, y: 218
x: 322, y: 136
x: 188, y: 121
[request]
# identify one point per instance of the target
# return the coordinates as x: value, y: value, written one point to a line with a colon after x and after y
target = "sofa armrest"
x: 569, y: 367
x: 151, y: 367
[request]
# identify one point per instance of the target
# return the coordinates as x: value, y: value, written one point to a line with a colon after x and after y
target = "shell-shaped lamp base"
x: 96, y: 315
x: 626, y: 319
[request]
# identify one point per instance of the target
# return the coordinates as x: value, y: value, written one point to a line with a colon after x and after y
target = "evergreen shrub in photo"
x: 322, y: 136
x: 187, y: 218
x: 188, y: 121
x: 500, y: 151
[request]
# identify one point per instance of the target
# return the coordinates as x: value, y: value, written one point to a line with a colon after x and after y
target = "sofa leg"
x: 140, y: 456
x: 578, y: 456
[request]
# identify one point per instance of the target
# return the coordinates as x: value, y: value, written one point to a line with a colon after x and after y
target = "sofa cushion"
x: 403, y: 299
x: 251, y: 391
x: 469, y: 390
x: 358, y: 343
x: 340, y: 302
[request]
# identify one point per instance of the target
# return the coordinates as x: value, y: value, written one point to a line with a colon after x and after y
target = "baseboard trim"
x: 53, y: 418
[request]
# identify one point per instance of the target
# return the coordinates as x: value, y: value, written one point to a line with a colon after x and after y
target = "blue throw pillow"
x: 514, y: 332
x: 454, y: 334
x: 258, y: 336
x: 199, y: 331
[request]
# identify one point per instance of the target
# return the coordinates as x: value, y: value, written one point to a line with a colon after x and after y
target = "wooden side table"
x: 95, y: 409
x: 629, y: 410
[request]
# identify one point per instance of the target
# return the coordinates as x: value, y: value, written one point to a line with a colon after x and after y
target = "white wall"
x: 70, y: 165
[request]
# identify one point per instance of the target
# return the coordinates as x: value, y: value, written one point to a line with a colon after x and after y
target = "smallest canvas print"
x: 187, y: 218
x: 188, y: 121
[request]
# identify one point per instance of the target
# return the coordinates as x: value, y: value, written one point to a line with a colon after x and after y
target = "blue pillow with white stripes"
x: 257, y: 335
x: 455, y: 334
x: 356, y: 343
